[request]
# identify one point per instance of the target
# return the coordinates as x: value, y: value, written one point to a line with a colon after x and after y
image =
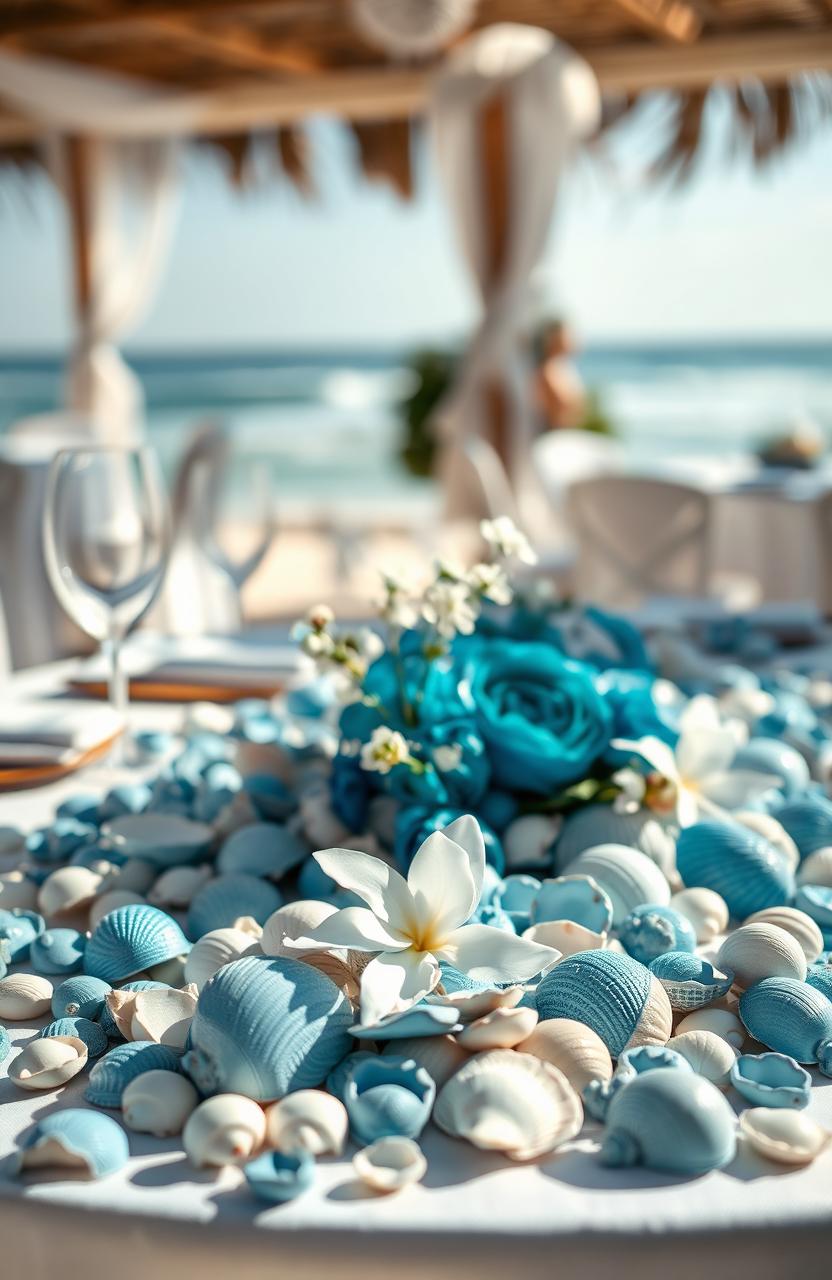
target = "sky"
x: 735, y: 253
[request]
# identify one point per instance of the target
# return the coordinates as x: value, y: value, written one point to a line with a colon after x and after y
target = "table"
x: 475, y: 1215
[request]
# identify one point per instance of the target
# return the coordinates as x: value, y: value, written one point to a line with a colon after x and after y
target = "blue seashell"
x: 83, y: 807
x: 388, y: 1097
x: 627, y: 876
x: 788, y: 1016
x: 92, y: 1033
x: 336, y: 1081
x: 165, y: 839
x: 64, y: 837
x: 816, y: 901
x: 111, y: 1074
x: 91, y: 854
x: 128, y: 797
x: 261, y: 849
x: 598, y: 1094
x: 96, y: 1139
x: 270, y: 797
x: 574, y: 897
x: 515, y: 897
x: 649, y: 1057
x: 5, y: 1044
x: 652, y: 931
x: 131, y: 939
x: 264, y: 1027
x: 108, y: 1023
x: 595, y: 824
x: 690, y: 981
x: 419, y: 1020
x: 152, y: 742
x: 496, y: 918
x: 771, y: 1080
x: 313, y: 881
x: 737, y: 863
x: 808, y: 821
x: 820, y: 977
x: 613, y: 994
x: 772, y: 756
x: 279, y: 1177
x: 58, y: 951
x: 671, y: 1121
x: 19, y: 928
x: 80, y: 997
x: 226, y: 898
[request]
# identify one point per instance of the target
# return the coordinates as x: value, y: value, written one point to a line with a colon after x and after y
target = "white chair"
x: 562, y: 458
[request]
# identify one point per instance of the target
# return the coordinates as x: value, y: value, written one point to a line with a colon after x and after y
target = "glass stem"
x: 118, y: 695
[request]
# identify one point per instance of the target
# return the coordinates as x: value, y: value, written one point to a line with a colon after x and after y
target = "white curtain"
x: 550, y: 100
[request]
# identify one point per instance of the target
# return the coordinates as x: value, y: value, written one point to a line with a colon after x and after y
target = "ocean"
x: 327, y: 418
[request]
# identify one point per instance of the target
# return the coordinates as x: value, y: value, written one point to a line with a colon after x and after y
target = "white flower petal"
x: 395, y: 981
x: 354, y: 928
x: 465, y: 832
x: 702, y: 712
x: 703, y: 751
x: 382, y: 888
x: 443, y: 889
x: 493, y: 955
x: 653, y: 751
x: 687, y: 808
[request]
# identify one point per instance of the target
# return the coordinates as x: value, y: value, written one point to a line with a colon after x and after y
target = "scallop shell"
x: 213, y: 950
x: 614, y: 995
x: 441, y: 1056
x: 91, y: 1033
x: 74, y: 1138
x: 223, y: 900
x: 628, y: 877
x: 788, y: 1016
x: 689, y: 981
x: 67, y: 889
x: 309, y: 1120
x: 48, y: 1063
x: 816, y: 869
x: 756, y: 951
x: 165, y: 839
x: 111, y: 1074
x: 17, y: 891
x: 58, y: 951
x: 741, y: 866
x: 771, y: 1080
x: 264, y: 1027
x: 24, y: 996
x: 787, y: 1137
x: 722, y: 1022
x: 801, y: 927
x: 510, y: 1102
x: 708, y: 1054
x: 388, y: 1096
x: 226, y: 1129
x: 111, y: 901
x: 650, y: 931
x: 261, y: 849
x: 390, y: 1164
x: 499, y: 1029
x: 158, y: 1102
x: 107, y: 1019
x: 572, y: 897
x: 670, y: 1121
x: 808, y: 821
x: 278, y: 1176
x: 131, y: 939
x: 576, y: 1050
x: 293, y: 921
x: 706, y: 910
x: 600, y: 824
x: 177, y: 886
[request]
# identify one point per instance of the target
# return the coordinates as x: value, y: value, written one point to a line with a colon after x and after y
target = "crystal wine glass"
x: 235, y: 516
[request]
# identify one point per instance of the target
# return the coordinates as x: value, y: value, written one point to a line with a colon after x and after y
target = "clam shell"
x: 650, y: 931
x: 388, y: 1096
x: 292, y: 921
x: 628, y: 877
x: 706, y: 910
x: 689, y: 981
x: 441, y: 1056
x: 614, y: 995
x: 771, y: 1080
x: 58, y: 951
x: 223, y: 900
x: 788, y: 1016
x: 277, y: 1176
x: 741, y: 866
x: 575, y: 1049
x: 787, y: 1137
x: 91, y: 1033
x: 708, y: 1054
x: 261, y: 849
x: 801, y: 927
x: 565, y: 936
x: 74, y: 1138
x: 49, y: 1063
x: 17, y: 891
x: 165, y: 839
x: 176, y: 886
x: 111, y: 901
x: 107, y: 1018
x: 23, y: 996
x: 722, y: 1022
x: 816, y: 869
x: 390, y: 1164
x: 67, y: 889
x: 213, y: 950
x: 808, y: 821
x: 163, y: 1016
x: 599, y: 824
x: 111, y: 1074
x: 510, y: 1102
x: 131, y: 939
x: 670, y: 1121
x: 572, y: 897
x: 309, y: 1120
x: 158, y: 1102
x: 264, y: 1027
x: 756, y: 951
x: 499, y: 1029
x: 226, y: 1129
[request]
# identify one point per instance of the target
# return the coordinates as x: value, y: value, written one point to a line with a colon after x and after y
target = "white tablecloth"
x: 476, y: 1215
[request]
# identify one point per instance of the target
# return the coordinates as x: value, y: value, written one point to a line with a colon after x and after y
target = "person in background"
x: 559, y: 391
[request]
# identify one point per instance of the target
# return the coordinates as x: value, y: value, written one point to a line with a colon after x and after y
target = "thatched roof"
x: 268, y: 63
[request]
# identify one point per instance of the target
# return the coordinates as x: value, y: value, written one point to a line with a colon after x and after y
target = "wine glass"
x: 106, y: 534
x: 235, y: 516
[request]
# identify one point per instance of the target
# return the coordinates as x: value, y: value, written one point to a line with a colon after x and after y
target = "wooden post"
x: 78, y: 160
x: 495, y: 195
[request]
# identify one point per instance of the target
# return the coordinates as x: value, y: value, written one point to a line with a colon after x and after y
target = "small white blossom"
x: 447, y: 757
x: 398, y: 608
x: 448, y: 607
x: 386, y: 749
x: 318, y: 644
x: 491, y: 582
x: 504, y: 538
x: 320, y: 616
x: 633, y: 789
x: 371, y: 645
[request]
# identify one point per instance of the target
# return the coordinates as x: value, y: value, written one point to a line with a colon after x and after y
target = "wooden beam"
x: 22, y: 23
x: 670, y: 19
x: 229, y: 45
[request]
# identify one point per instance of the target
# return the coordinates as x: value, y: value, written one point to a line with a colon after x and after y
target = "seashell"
x: 58, y: 951
x: 722, y: 1022
x: 79, y: 997
x: 816, y: 869
x: 11, y: 839
x: 649, y: 1057
x: 773, y: 831
x: 771, y: 1080
x: 628, y: 877
x: 808, y: 821
x: 573, y: 897
x: 222, y: 901
x: 689, y: 981
x: 165, y: 839
x: 261, y: 849
x: 566, y: 937
x: 801, y: 927
x: 820, y: 977
x: 17, y: 891
x: 600, y: 824
x: 111, y: 901
x: 309, y: 1120
x: 84, y: 1029
x: 48, y: 1063
x: 787, y: 1137
x: 756, y: 951
x: 107, y: 1019
x: 788, y: 1016
x: 527, y: 842
x: 18, y: 929
x: 67, y: 889
x: 5, y: 1044
x: 130, y: 939
x: 264, y: 1027
x: 418, y: 1020
x: 111, y: 1074
x: 24, y: 996
x: 743, y: 867
x: 772, y: 756
x: 708, y: 1054
x: 670, y: 1121
x: 706, y: 910
x: 471, y: 1005
x: 171, y: 973
x: 127, y: 797
x: 176, y: 886
x: 510, y: 1102
x: 613, y: 994
x: 388, y: 1096
x: 440, y: 1056
x: 499, y: 1029
x: 212, y: 951
x: 158, y: 1102
x: 278, y: 1176
x: 292, y: 921
x: 77, y: 1139
x: 576, y: 1050
x: 161, y: 1015
x: 225, y: 1129
x: 650, y: 931
x: 515, y: 895
x: 136, y: 875
x: 816, y: 901
x: 390, y: 1164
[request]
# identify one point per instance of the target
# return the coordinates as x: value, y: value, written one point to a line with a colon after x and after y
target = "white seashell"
x: 765, y: 825
x: 816, y: 869
x: 248, y: 924
x: 800, y: 925
x: 528, y: 841
x: 225, y: 1129
x: 212, y: 951
x: 17, y: 890
x: 309, y: 1120
x: 576, y: 1050
x: 24, y: 995
x: 337, y: 970
x: 171, y: 972
x: 110, y: 901
x: 67, y: 888
x: 628, y: 876
x: 158, y: 1102
x: 708, y: 1054
x: 565, y: 936
x: 472, y: 1005
x: 511, y: 1102
x: 706, y: 910
x: 390, y: 1164
x: 756, y: 951
x: 49, y: 1063
x: 722, y: 1022
x: 207, y: 717
x: 441, y: 1056
x: 292, y: 921
x: 163, y: 1015
x: 136, y: 874
x: 499, y: 1029
x: 789, y: 1137
x: 177, y: 886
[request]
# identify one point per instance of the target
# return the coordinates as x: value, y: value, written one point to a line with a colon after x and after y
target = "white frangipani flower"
x: 448, y: 607
x: 386, y: 749
x: 503, y: 536
x: 412, y: 924
x: 491, y: 582
x: 633, y: 789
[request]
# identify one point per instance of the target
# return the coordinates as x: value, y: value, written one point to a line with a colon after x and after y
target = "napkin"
x: 226, y: 661
x: 38, y: 733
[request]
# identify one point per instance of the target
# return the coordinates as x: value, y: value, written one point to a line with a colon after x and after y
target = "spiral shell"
x: 628, y: 877
x: 744, y: 868
x: 24, y: 996
x: 158, y: 1102
x: 390, y: 1164
x: 575, y: 1049
x: 309, y: 1120
x: 670, y: 1121
x: 611, y: 993
x: 757, y: 951
x: 226, y: 1129
x: 131, y: 939
x: 74, y: 1138
x: 111, y: 1074
x: 49, y: 1063
x: 215, y: 949
x: 708, y: 1054
x: 788, y: 1016
x: 223, y: 900
x: 801, y: 927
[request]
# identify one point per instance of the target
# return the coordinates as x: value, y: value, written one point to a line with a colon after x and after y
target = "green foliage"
x: 433, y: 372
